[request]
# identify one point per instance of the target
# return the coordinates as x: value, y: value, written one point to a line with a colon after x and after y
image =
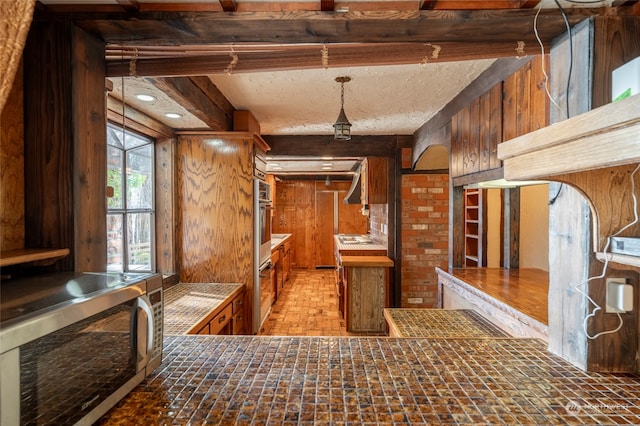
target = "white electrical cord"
x: 544, y: 71
x: 606, y: 265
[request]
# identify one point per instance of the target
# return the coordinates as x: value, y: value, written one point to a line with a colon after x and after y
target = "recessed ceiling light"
x: 326, y: 168
x: 146, y: 98
x: 173, y: 115
x: 327, y: 164
x: 277, y: 168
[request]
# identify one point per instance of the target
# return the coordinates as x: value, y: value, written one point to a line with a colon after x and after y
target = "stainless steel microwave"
x: 72, y: 345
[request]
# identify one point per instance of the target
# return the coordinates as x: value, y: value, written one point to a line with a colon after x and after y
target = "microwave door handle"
x: 145, y: 334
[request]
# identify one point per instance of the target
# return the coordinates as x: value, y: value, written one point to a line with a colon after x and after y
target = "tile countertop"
x: 372, y: 380
x: 278, y: 239
x: 357, y: 244
x: 187, y: 304
x: 446, y: 323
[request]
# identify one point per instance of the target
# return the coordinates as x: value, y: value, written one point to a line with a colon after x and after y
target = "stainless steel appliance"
x: 262, y: 296
x: 73, y: 344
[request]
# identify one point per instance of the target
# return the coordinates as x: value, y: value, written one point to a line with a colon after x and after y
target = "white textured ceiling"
x: 379, y: 100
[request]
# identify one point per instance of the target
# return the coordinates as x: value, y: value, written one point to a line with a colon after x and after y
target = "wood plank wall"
x: 12, y: 170
x: 297, y: 212
x: 65, y: 144
x: 512, y: 108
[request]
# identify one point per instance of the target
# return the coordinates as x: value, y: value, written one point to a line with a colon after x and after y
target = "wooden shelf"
x: 622, y: 259
x: 42, y: 256
x: 603, y: 137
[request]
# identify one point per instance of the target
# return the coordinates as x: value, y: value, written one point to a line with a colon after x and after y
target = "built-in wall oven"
x: 73, y: 344
x: 263, y: 296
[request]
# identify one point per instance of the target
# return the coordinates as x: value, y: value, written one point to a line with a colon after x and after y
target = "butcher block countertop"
x: 260, y: 380
x: 366, y: 261
x: 187, y: 304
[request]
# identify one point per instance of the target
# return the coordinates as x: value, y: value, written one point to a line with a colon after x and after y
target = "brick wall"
x: 425, y: 219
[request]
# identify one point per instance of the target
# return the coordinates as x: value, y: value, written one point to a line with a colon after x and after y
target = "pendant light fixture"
x: 342, y: 127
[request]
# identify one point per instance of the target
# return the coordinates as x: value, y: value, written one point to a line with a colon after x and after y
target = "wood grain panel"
x: 495, y: 126
x: 324, y: 228
x: 48, y: 140
x: 89, y: 121
x: 12, y: 170
x: 166, y: 216
x: 215, y: 211
x: 366, y: 298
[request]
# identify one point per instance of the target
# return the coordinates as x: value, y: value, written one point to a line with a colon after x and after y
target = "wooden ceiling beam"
x: 228, y: 5
x: 327, y: 146
x: 327, y: 5
x: 314, y: 57
x: 476, y: 5
x: 434, y: 26
x: 190, y: 95
x: 129, y: 5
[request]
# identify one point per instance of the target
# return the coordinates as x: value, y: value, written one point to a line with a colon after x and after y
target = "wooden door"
x: 325, y: 223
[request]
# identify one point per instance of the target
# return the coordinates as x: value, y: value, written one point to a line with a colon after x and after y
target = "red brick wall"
x: 425, y: 219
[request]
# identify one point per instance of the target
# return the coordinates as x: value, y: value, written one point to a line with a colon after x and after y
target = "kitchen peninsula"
x: 372, y: 380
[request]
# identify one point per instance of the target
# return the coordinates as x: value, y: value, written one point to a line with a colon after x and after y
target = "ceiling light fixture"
x: 173, y: 115
x: 342, y: 127
x: 145, y: 98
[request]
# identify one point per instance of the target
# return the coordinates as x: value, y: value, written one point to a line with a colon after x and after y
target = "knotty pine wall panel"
x: 215, y: 210
x: 12, y: 170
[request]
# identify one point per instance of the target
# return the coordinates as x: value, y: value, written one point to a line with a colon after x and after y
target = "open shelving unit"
x: 473, y: 227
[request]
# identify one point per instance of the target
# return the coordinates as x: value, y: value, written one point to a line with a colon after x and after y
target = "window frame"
x: 123, y: 212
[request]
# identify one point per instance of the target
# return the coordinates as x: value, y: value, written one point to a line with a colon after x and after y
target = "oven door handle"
x: 145, y: 332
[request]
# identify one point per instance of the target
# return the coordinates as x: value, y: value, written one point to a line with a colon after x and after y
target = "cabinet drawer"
x: 220, y: 320
x: 204, y: 330
x: 238, y: 323
x: 238, y: 303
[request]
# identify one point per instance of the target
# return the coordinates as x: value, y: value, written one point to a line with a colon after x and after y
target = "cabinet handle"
x: 222, y: 319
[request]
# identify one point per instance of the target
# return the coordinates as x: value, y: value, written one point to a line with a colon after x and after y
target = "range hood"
x: 353, y: 196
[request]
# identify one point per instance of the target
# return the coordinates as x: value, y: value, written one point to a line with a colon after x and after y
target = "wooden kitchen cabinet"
x: 237, y: 310
x: 286, y: 261
x: 225, y: 321
x: 373, y: 181
x: 364, y: 292
x: 219, y: 323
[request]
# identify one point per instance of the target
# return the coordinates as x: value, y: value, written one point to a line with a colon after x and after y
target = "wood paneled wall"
x: 65, y: 144
x: 12, y: 170
x: 297, y: 213
x: 215, y: 210
x: 512, y: 108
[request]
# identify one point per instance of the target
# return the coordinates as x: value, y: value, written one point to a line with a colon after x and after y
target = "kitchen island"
x: 372, y: 380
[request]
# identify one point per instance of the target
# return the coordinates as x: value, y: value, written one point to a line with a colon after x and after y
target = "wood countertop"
x: 366, y: 261
x: 188, y: 304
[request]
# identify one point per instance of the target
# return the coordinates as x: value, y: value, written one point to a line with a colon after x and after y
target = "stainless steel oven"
x: 73, y: 344
x: 262, y: 258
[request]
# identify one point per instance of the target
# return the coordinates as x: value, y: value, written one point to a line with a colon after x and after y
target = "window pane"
x: 114, y: 137
x: 115, y: 249
x: 139, y: 233
x: 140, y: 178
x: 132, y: 140
x: 114, y: 177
